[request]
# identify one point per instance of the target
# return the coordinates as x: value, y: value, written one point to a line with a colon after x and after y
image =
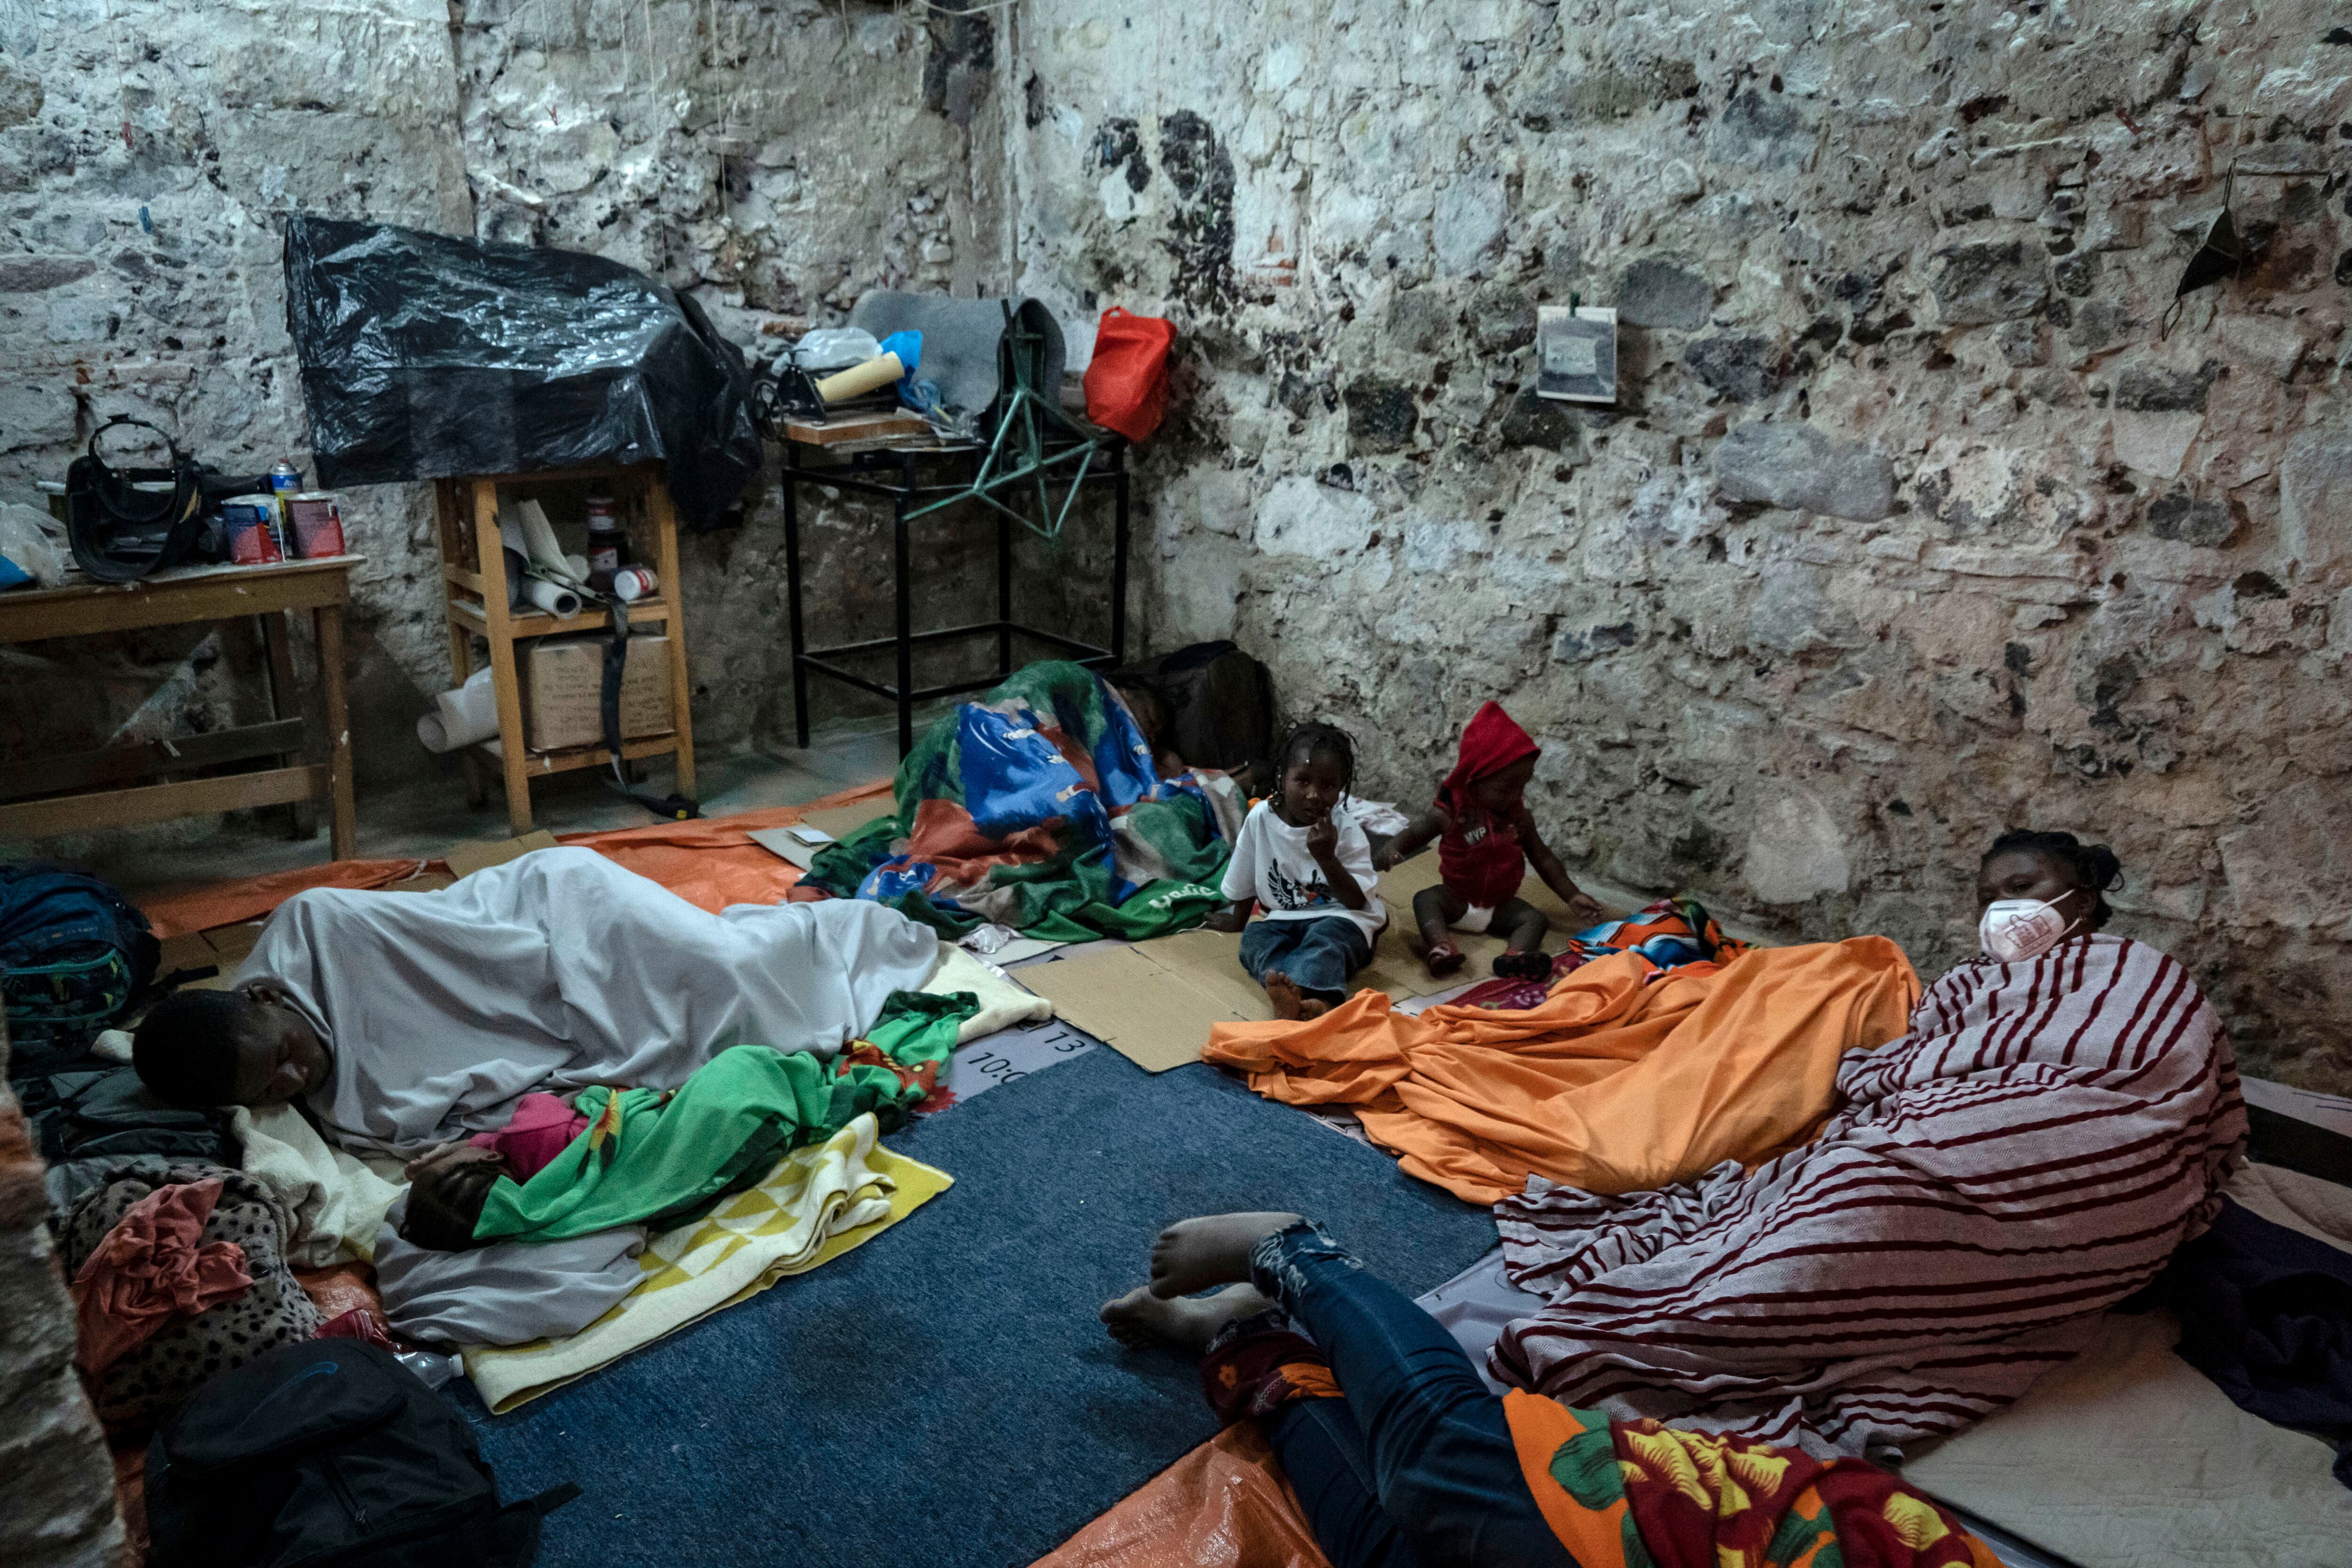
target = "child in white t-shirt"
x: 1308, y: 862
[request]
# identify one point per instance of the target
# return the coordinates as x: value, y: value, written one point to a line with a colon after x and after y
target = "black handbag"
x: 125, y: 523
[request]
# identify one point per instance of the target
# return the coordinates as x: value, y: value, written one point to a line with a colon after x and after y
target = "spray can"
x: 285, y: 478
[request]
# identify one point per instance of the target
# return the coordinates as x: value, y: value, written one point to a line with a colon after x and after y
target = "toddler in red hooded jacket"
x: 1485, y: 842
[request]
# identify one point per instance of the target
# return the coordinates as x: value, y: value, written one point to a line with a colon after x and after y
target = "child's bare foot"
x: 1139, y: 1317
x: 1212, y: 1249
x: 1445, y: 958
x: 1312, y: 1006
x: 1282, y: 992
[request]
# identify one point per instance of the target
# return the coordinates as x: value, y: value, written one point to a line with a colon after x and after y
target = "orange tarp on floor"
x: 1626, y: 1077
x: 711, y: 862
x: 1224, y: 1505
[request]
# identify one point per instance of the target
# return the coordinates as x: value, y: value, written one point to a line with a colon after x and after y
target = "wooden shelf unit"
x: 474, y: 584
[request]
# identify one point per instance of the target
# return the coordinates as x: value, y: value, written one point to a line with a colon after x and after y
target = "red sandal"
x: 1445, y: 958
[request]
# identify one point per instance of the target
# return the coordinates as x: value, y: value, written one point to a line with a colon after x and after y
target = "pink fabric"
x: 151, y: 1268
x: 542, y: 1127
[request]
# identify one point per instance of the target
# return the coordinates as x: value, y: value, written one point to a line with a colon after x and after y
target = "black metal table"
x: 889, y: 470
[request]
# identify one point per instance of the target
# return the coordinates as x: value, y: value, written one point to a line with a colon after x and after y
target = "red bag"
x: 1126, y: 384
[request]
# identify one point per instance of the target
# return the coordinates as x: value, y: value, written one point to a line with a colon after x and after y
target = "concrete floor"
x: 423, y: 816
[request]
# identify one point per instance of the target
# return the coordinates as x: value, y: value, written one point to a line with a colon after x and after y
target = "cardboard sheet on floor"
x: 465, y: 859
x: 841, y: 821
x: 1152, y: 1002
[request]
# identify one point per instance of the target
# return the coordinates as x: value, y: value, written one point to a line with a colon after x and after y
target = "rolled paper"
x: 857, y: 378
x: 462, y: 716
x: 554, y: 598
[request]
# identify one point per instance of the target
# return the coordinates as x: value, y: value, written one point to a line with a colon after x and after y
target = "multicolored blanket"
x: 1633, y: 1494
x: 1670, y: 933
x: 2028, y: 1153
x: 1038, y: 806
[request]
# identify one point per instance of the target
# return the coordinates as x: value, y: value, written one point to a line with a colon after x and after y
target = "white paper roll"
x: 554, y: 599
x: 462, y: 716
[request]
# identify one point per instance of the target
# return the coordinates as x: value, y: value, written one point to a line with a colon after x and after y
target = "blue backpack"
x: 74, y: 955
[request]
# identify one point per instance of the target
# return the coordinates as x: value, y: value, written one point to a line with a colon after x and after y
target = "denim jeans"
x: 1318, y: 954
x: 1415, y: 1468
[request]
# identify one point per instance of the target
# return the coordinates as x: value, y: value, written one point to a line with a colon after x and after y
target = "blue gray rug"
x: 943, y: 1395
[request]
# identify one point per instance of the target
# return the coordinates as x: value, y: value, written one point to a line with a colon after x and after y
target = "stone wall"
x: 1910, y: 522
x: 774, y: 159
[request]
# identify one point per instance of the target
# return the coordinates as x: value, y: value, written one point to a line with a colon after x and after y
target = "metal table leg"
x: 906, y: 627
x: 1119, y: 559
x: 793, y: 593
x: 1003, y: 595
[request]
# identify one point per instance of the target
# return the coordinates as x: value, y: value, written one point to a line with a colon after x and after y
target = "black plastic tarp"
x: 425, y: 356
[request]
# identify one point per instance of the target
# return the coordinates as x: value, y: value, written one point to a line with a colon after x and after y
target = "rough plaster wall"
x: 1906, y: 526
x: 147, y: 155
x: 777, y: 159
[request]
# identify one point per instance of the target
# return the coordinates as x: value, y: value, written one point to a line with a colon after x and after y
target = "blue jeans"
x: 1415, y: 1467
x: 1318, y: 954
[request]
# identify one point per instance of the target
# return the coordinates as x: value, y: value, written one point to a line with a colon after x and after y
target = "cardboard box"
x: 564, y: 685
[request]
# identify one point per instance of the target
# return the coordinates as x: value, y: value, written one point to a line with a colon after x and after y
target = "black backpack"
x: 74, y: 957
x: 329, y: 1452
x: 1220, y: 705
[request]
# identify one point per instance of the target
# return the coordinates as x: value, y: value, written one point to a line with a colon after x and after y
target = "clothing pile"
x: 1039, y: 806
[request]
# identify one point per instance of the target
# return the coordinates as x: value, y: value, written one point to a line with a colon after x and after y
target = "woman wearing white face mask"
x: 2038, y: 890
x: 2060, y: 1117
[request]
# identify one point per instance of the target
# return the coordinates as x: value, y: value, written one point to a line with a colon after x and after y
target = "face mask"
x: 2014, y: 929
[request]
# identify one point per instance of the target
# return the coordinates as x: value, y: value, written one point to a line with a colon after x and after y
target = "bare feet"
x: 1312, y: 1006
x: 1282, y: 992
x: 1445, y: 958
x: 1213, y: 1249
x: 1139, y: 1317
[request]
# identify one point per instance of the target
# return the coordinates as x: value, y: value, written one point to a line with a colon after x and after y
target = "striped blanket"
x: 2030, y: 1153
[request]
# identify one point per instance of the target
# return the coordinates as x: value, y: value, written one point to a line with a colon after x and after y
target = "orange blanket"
x: 1627, y: 1077
x: 710, y: 863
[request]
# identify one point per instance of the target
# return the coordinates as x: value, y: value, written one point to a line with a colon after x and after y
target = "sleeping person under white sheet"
x: 405, y: 1019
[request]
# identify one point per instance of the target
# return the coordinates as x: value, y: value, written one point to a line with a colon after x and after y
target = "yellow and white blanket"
x: 818, y: 1203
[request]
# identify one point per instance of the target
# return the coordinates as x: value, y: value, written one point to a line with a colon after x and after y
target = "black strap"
x: 674, y: 806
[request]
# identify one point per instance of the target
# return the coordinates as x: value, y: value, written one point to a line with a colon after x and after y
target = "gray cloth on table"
x: 507, y: 1293
x: 960, y: 338
x: 557, y: 970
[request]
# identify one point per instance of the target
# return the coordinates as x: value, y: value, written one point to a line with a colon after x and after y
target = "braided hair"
x: 1312, y: 739
x: 2095, y: 866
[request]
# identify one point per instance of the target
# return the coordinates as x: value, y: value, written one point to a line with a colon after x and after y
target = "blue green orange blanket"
x: 1037, y: 806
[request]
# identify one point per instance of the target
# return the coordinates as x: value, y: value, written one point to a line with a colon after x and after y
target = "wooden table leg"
x: 344, y: 831
x: 664, y: 518
x: 301, y: 817
x: 504, y: 678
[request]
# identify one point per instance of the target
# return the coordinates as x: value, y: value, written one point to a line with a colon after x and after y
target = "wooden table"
x: 474, y: 584
x: 96, y: 789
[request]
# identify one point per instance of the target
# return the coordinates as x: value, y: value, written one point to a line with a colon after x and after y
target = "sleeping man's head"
x: 246, y: 1046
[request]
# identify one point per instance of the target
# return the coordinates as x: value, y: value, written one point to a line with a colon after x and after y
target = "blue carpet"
x: 943, y: 1395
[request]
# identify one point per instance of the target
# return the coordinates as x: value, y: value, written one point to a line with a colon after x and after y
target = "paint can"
x: 631, y: 584
x: 251, y: 524
x: 314, y: 521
